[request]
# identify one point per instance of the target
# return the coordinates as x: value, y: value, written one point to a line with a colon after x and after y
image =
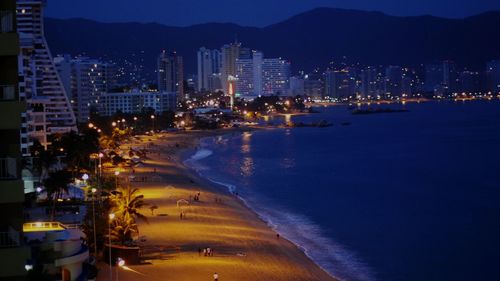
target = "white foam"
x: 201, y: 153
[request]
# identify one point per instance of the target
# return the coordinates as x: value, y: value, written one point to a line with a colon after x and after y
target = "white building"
x: 136, y: 101
x: 84, y: 80
x: 259, y: 76
x: 42, y: 79
x: 209, y: 64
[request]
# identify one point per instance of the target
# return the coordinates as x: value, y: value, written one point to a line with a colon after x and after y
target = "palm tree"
x: 123, y: 230
x: 55, y: 185
x: 127, y: 202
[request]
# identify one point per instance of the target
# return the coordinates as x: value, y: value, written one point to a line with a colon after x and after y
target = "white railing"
x: 6, y: 21
x: 7, y: 92
x: 8, y: 168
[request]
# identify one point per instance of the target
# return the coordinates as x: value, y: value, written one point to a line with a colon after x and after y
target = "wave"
x: 338, y: 261
x: 201, y: 153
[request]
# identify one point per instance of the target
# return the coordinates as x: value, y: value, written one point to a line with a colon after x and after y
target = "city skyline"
x: 256, y: 13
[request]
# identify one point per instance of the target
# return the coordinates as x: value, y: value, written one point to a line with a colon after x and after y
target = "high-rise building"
x: 314, y: 85
x: 14, y: 255
x: 259, y: 76
x: 393, y: 80
x: 84, y: 80
x: 493, y: 76
x: 339, y: 84
x: 171, y: 73
x: 369, y: 82
x: 275, y: 77
x: 470, y: 82
x: 258, y: 72
x: 39, y: 68
x: 229, y: 54
x: 296, y: 86
x: 245, y: 77
x: 209, y: 65
x: 442, y: 77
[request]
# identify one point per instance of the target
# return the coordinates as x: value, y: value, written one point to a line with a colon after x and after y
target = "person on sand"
x: 199, y: 252
x: 205, y: 252
x: 216, y: 277
x: 277, y: 236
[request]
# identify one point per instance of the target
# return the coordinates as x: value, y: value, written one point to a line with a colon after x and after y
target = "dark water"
x: 400, y: 196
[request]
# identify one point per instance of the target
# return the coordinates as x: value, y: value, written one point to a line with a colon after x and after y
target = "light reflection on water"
x: 247, y: 167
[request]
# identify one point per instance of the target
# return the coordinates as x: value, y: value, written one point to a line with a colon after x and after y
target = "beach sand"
x: 245, y: 247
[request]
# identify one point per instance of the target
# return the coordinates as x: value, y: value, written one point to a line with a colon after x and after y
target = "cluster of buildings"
x: 353, y: 82
x: 241, y: 72
x: 245, y: 71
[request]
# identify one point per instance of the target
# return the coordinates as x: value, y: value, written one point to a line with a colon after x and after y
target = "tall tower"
x: 171, y: 73
x: 37, y: 56
x: 13, y: 253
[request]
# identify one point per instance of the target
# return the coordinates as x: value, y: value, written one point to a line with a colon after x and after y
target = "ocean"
x: 408, y: 196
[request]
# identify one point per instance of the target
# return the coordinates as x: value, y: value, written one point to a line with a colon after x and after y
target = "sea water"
x: 395, y: 196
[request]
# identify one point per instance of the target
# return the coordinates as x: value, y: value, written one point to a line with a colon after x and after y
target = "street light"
x: 91, y: 125
x: 111, y: 217
x: 117, y: 173
x: 153, y: 119
x: 121, y: 263
x: 113, y: 124
x: 94, y: 190
x: 85, y: 177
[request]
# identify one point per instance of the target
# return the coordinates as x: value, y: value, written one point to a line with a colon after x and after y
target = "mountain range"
x: 309, y: 40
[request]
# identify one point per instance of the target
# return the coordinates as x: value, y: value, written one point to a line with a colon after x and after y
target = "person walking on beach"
x: 216, y: 277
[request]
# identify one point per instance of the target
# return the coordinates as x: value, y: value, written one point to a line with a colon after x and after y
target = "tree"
x: 123, y: 230
x: 127, y: 202
x: 55, y: 185
x: 153, y: 208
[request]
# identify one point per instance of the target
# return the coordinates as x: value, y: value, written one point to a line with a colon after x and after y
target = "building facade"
x: 14, y: 255
x: 84, y: 80
x: 39, y: 68
x: 171, y: 73
x: 136, y: 101
x: 209, y: 65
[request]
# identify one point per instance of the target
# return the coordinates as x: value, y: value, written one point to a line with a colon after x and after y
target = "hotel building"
x: 13, y: 253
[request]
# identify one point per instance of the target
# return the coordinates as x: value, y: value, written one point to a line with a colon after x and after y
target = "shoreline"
x: 244, y: 241
x: 188, y: 153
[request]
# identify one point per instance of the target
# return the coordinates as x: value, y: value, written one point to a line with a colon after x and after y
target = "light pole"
x: 117, y: 173
x: 101, y: 155
x: 94, y: 190
x: 153, y: 119
x: 111, y: 217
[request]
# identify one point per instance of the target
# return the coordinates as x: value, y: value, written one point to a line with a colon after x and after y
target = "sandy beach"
x: 244, y: 247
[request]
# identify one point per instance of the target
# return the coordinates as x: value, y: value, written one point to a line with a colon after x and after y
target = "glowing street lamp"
x: 91, y: 125
x: 121, y: 263
x: 117, y: 173
x: 111, y: 217
x: 94, y: 190
x: 153, y: 119
x: 113, y: 124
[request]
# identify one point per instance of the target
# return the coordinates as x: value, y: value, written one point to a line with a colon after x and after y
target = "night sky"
x: 250, y: 12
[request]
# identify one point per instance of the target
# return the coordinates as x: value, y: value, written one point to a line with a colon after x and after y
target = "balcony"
x: 7, y: 92
x: 6, y: 21
x: 9, y: 238
x: 8, y: 168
